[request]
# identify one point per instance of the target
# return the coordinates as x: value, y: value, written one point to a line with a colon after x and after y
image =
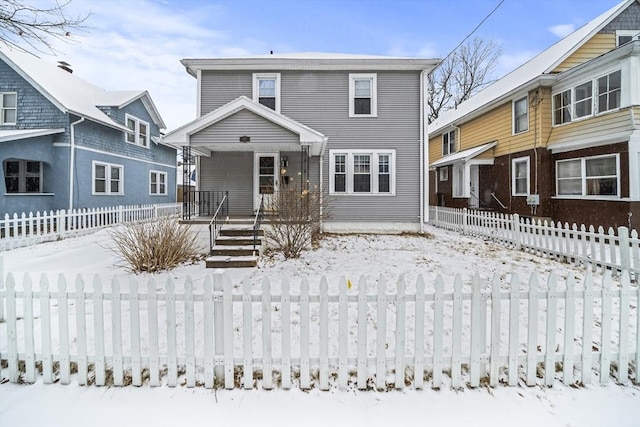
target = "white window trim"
x: 373, y: 171
x: 513, y: 115
x: 455, y: 145
x: 2, y: 108
x: 374, y: 93
x: 266, y: 76
x: 22, y: 175
x: 107, y: 191
x: 158, y: 173
x: 635, y: 34
x: 583, y: 178
x: 515, y: 161
x: 136, y: 131
x: 596, y: 93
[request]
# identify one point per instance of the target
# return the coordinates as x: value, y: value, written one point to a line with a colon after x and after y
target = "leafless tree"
x: 462, y: 74
x: 36, y: 25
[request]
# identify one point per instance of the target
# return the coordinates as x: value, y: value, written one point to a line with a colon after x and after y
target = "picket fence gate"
x: 591, y: 247
x: 117, y: 334
x: 30, y: 229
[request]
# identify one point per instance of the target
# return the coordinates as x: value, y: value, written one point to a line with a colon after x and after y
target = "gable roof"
x: 542, y: 64
x: 310, y: 61
x: 72, y: 94
x: 181, y: 135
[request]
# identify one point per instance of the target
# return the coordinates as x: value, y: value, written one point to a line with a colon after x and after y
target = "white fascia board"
x: 27, y: 133
x: 563, y: 147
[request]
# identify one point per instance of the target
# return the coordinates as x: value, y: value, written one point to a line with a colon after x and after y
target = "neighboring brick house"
x: 557, y: 138
x: 351, y: 125
x: 65, y: 143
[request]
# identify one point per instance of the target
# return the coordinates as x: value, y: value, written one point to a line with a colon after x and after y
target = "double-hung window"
x: 266, y: 90
x: 609, y: 91
x: 22, y: 176
x: 363, y: 98
x: 158, y: 183
x: 107, y: 178
x: 362, y: 172
x: 138, y: 131
x: 520, y: 115
x: 449, y: 142
x: 8, y: 108
x: 583, y: 100
x: 562, y: 107
x: 625, y: 36
x: 588, y: 176
x: 520, y: 176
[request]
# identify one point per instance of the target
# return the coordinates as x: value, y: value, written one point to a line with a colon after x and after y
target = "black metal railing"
x: 257, y: 223
x: 203, y: 203
x: 219, y: 217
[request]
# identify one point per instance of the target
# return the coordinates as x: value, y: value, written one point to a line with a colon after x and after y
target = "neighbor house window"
x: 520, y: 176
x: 449, y: 142
x: 609, y: 92
x: 138, y: 131
x: 22, y: 176
x: 583, y: 100
x: 444, y: 174
x: 8, y: 108
x: 562, y: 107
x: 158, y: 183
x: 362, y: 172
x: 266, y: 90
x: 107, y: 178
x: 458, y: 179
x: 588, y: 176
x: 363, y: 95
x: 625, y: 36
x: 520, y: 115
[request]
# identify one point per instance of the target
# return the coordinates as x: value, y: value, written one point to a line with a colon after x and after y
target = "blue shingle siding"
x: 34, y: 110
x: 627, y: 20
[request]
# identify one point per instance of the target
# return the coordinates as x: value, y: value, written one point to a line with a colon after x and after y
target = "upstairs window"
x: 583, y: 100
x: 562, y: 107
x: 8, y: 108
x: 107, y: 178
x: 362, y: 172
x: 609, y: 92
x: 22, y: 176
x: 266, y: 90
x: 520, y: 115
x: 363, y: 95
x: 138, y: 131
x: 625, y: 36
x: 449, y: 142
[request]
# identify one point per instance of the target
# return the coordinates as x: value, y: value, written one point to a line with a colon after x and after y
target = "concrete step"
x: 237, y: 241
x: 237, y: 231
x: 231, y: 262
x: 233, y: 250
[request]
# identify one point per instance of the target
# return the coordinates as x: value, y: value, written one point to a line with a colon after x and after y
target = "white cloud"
x: 508, y: 62
x: 562, y: 30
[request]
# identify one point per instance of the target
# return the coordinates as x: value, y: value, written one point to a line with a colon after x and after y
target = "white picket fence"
x: 29, y: 229
x: 595, y: 249
x: 276, y: 335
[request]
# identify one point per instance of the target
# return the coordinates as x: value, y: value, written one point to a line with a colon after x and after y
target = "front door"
x: 266, y: 172
x: 474, y: 201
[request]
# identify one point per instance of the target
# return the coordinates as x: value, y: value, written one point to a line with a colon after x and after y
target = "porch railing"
x: 202, y: 203
x: 257, y: 223
x: 221, y: 213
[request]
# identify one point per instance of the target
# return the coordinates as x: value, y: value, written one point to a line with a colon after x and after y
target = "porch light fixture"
x: 245, y: 138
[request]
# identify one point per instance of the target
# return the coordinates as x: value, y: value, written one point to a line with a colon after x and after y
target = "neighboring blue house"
x: 65, y: 143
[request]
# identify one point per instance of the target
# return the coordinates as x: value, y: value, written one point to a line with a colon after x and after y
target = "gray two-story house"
x: 67, y: 144
x: 351, y: 126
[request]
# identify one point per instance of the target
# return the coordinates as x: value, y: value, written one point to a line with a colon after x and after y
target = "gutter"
x: 72, y: 158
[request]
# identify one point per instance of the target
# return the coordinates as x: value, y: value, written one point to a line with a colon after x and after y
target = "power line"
x: 471, y: 33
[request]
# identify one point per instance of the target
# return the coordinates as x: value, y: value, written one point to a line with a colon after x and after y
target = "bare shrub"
x: 155, y: 245
x: 297, y: 215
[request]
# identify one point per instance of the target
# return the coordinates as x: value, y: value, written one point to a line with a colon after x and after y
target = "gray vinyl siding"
x: 259, y: 129
x: 232, y: 172
x: 320, y: 100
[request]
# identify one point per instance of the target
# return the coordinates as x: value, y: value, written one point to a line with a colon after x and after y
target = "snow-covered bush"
x: 154, y: 245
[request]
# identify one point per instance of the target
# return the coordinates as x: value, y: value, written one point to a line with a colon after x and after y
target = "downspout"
x: 424, y: 154
x: 72, y: 158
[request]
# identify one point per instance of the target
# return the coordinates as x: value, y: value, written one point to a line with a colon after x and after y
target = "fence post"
x: 435, y: 215
x: 218, y: 327
x: 625, y: 249
x: 120, y: 214
x: 464, y: 220
x: 516, y: 231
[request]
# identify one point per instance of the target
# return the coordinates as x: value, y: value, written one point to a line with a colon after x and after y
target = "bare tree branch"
x: 461, y: 75
x: 36, y: 27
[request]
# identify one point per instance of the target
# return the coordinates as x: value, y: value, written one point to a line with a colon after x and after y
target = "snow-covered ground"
x: 350, y: 256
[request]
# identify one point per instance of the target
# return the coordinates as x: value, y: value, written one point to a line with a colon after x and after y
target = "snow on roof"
x: 464, y: 155
x: 69, y: 92
x: 543, y: 63
x: 14, y: 134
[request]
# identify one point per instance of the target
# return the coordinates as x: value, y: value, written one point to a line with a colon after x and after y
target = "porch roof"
x: 463, y: 156
x: 14, y: 134
x: 180, y: 137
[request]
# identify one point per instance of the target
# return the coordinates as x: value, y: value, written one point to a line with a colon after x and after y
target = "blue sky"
x: 138, y: 44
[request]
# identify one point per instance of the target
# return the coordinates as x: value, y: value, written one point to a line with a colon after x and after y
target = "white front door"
x: 474, y: 176
x: 265, y: 178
